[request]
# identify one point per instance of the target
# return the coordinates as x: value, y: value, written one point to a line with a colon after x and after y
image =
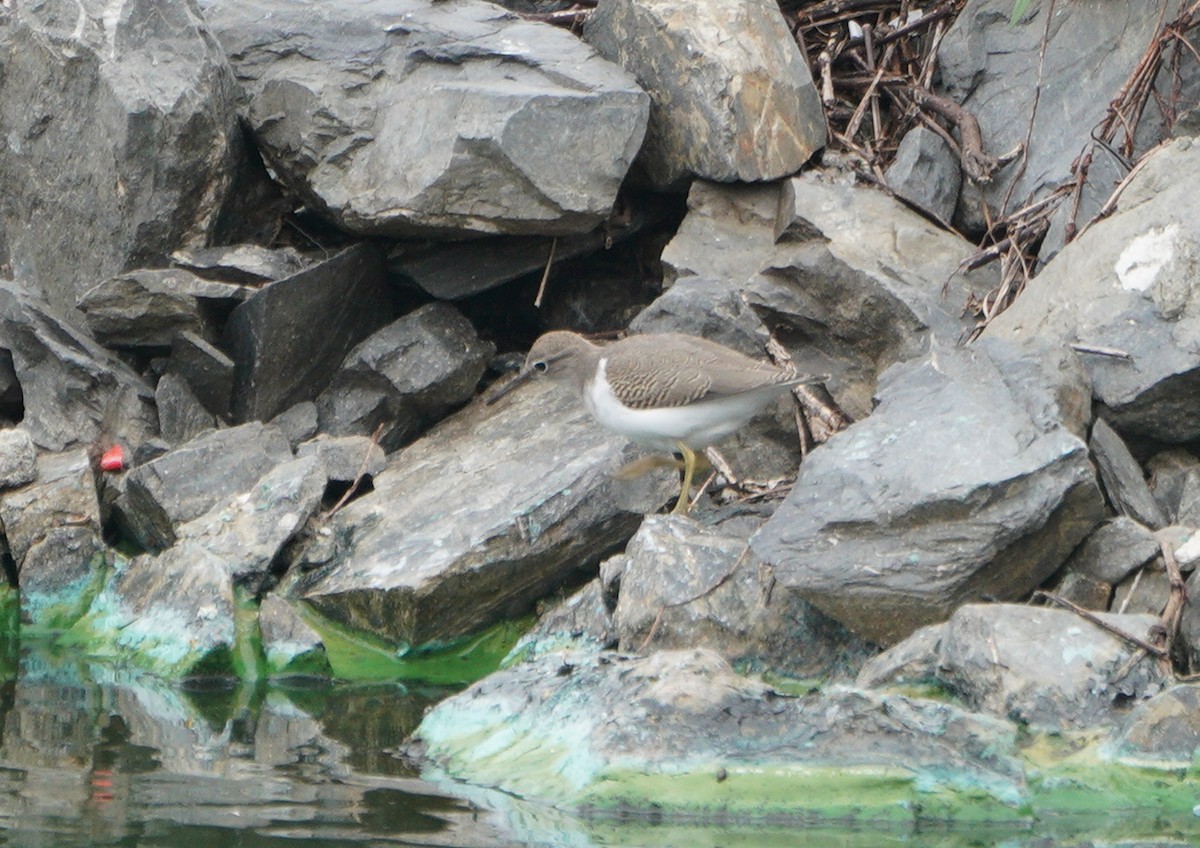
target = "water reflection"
x: 94, y: 756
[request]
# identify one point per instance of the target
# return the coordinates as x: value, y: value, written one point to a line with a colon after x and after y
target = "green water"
x: 96, y: 756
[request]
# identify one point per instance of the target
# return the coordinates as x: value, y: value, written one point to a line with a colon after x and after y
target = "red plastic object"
x: 113, y: 459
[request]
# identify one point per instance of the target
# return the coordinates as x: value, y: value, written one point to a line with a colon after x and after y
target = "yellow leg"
x: 644, y: 465
x: 689, y: 468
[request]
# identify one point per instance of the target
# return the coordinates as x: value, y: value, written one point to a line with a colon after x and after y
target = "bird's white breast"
x: 698, y: 425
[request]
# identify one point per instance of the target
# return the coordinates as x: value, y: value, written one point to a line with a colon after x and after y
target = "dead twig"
x: 1091, y: 617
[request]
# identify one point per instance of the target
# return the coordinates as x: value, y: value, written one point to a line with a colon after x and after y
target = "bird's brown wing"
x: 671, y: 369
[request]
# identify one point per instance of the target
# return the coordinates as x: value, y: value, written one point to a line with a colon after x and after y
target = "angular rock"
x: 1129, y: 283
x: 116, y: 88
x: 74, y: 391
x: 488, y: 512
x: 684, y: 586
x: 1173, y: 476
x: 298, y: 423
x: 1123, y: 478
x: 405, y: 376
x: 18, y: 458
x: 290, y: 337
x: 185, y: 483
x: 997, y: 71
x: 902, y: 518
x: 926, y: 173
x: 584, y: 619
x: 1163, y: 732
x: 913, y: 661
x: 149, y: 308
x: 174, y: 611
x: 679, y: 733
x: 1045, y: 667
x: 1145, y: 592
x: 728, y: 109
x: 291, y: 647
x: 459, y: 120
x: 1114, y: 550
x: 54, y: 537
x: 1085, y: 591
x: 345, y: 458
x: 181, y: 416
x: 858, y: 278
x: 208, y: 371
x: 241, y: 263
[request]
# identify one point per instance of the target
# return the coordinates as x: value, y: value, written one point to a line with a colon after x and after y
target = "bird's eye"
x: 540, y: 366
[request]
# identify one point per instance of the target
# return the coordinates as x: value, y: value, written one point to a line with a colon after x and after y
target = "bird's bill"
x: 502, y: 390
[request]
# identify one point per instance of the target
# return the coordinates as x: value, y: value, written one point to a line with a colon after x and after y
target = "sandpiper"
x: 669, y: 391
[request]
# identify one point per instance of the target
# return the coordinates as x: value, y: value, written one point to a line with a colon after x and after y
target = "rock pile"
x: 260, y: 255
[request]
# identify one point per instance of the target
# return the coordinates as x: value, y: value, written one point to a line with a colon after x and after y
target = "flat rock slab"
x: 148, y: 308
x: 241, y: 263
x: 902, y: 518
x: 1123, y: 478
x: 117, y: 87
x: 678, y: 732
x: 1129, y: 283
x: 75, y: 392
x: 1048, y: 668
x: 290, y: 337
x: 399, y: 117
x: 486, y: 513
x: 723, y: 108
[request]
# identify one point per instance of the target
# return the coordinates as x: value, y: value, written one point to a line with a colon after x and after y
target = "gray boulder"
x: 173, y: 612
x: 1047, y: 668
x: 902, y: 518
x: 723, y: 108
x: 996, y: 71
x: 860, y: 278
x: 682, y: 586
x: 115, y: 88
x: 1174, y: 480
x: 578, y: 622
x: 149, y: 308
x: 18, y: 458
x: 1163, y: 732
x: 1129, y: 283
x: 405, y: 376
x: 75, y: 393
x: 183, y: 484
x: 288, y: 340
x: 53, y: 532
x: 463, y: 118
x: 485, y: 514
x: 926, y: 173
x: 679, y: 733
x: 1114, y: 550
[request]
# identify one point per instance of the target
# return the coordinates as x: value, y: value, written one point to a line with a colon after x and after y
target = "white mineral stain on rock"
x: 1139, y: 264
